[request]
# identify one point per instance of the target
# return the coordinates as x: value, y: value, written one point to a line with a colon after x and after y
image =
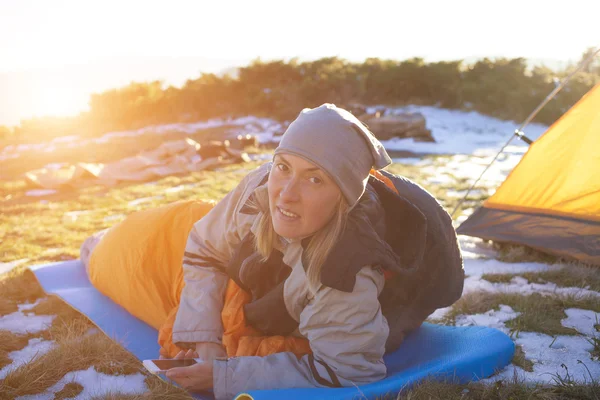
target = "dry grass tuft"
x: 70, y: 390
x: 164, y: 390
x: 10, y: 342
x: 520, y: 361
x: 20, y: 286
x: 4, y: 360
x: 7, y: 306
x: 73, y: 352
x: 512, y: 253
x: 117, y: 366
x: 595, y: 342
x: 68, y: 321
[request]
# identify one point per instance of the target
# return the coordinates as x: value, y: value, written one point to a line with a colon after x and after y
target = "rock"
x: 407, y: 125
x: 224, y: 151
x: 243, y: 141
x: 213, y: 149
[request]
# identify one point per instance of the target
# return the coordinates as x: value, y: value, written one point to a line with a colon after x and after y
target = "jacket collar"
x: 399, y: 247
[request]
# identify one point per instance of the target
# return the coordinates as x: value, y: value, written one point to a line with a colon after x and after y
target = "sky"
x: 55, y: 53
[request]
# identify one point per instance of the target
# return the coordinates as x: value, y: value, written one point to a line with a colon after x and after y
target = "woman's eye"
x: 282, y: 167
x: 315, y: 180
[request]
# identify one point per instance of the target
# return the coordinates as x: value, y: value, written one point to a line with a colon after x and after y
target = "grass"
x: 44, y: 230
x: 55, y: 231
x: 512, y: 253
x: 538, y: 313
x: 521, y: 361
x: 572, y: 275
x: 9, y: 342
x: 69, y: 391
x: 498, y: 278
x: 565, y: 387
x: 595, y: 342
x: 76, y: 348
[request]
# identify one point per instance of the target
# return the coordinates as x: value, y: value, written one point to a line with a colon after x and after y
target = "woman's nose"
x: 290, y: 191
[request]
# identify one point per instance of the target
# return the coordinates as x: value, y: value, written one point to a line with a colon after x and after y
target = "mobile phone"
x: 162, y: 366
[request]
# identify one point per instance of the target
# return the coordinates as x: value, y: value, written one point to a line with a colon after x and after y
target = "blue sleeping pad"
x: 439, y: 352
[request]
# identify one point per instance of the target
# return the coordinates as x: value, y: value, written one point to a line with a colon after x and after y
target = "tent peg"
x: 521, y: 135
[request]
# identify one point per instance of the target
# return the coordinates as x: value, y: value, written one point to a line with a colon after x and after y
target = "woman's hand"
x: 208, y: 351
x: 198, y: 377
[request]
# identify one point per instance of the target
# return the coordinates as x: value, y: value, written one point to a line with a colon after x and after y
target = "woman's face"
x: 302, y: 197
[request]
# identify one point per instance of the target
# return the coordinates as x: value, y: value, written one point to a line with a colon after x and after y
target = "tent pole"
x: 519, y: 131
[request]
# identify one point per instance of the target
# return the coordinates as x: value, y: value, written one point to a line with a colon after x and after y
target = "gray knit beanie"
x: 337, y: 142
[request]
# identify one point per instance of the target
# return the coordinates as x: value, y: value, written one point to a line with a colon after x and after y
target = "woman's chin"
x: 286, y: 232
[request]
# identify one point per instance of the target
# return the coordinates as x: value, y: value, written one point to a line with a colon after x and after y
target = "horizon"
x: 49, y: 71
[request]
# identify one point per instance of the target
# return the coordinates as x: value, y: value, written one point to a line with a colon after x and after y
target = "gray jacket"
x: 347, y: 331
x: 346, y: 318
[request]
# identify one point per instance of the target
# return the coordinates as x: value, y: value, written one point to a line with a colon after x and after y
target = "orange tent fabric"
x: 560, y: 172
x: 551, y: 200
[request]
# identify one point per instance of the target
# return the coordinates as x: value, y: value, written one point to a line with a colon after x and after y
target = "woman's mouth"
x: 287, y: 214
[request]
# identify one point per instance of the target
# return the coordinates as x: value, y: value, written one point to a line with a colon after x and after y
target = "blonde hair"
x: 320, y: 244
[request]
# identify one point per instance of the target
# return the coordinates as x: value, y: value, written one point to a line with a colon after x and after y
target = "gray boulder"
x: 406, y: 125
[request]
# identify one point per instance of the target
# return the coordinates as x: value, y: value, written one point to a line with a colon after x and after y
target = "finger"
x: 189, y: 354
x: 179, y: 375
x: 180, y: 355
x: 173, y: 374
x: 195, y: 354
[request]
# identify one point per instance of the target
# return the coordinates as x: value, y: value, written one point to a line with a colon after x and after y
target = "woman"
x: 327, y: 252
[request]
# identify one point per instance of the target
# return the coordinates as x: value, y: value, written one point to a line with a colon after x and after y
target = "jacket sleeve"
x: 347, y: 334
x: 209, y: 247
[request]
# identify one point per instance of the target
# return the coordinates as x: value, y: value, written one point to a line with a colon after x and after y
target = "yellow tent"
x: 551, y: 200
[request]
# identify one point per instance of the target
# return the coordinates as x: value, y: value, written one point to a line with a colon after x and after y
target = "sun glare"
x: 55, y: 100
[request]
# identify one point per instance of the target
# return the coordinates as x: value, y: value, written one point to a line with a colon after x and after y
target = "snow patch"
x: 478, y: 267
x: 142, y: 200
x: 95, y: 384
x: 548, y: 354
x: 179, y: 188
x: 30, y: 306
x: 40, y: 192
x: 491, y: 318
x: 521, y: 286
x: 113, y: 217
x: 35, y: 347
x: 583, y: 321
x: 460, y: 132
x: 18, y: 322
x: 8, y: 266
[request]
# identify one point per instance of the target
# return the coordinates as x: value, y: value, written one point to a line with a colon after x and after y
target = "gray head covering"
x: 337, y: 142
